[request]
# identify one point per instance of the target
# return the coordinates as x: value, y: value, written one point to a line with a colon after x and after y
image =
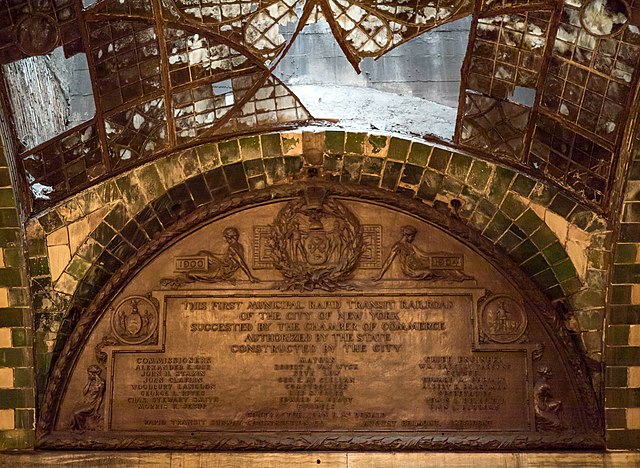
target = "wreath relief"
x: 316, y: 243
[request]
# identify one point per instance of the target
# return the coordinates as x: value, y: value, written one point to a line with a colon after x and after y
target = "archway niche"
x: 320, y: 316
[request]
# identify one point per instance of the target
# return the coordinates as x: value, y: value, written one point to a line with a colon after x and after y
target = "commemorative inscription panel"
x: 319, y: 322
x: 354, y: 362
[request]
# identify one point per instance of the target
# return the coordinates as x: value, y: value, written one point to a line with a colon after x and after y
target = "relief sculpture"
x: 503, y: 320
x: 317, y: 322
x: 134, y: 320
x: 548, y: 408
x: 209, y: 267
x: 86, y: 415
x: 426, y: 266
x: 316, y: 243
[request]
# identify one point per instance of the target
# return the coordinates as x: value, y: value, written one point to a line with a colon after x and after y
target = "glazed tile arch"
x: 133, y: 209
x: 527, y: 165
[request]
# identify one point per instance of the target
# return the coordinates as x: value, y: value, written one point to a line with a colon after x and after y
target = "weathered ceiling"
x: 547, y: 87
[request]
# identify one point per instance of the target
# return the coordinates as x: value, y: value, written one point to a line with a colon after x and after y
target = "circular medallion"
x: 604, y: 17
x: 37, y: 34
x: 503, y: 320
x: 134, y: 320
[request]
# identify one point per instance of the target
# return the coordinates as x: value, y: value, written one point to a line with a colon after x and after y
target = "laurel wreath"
x: 303, y: 276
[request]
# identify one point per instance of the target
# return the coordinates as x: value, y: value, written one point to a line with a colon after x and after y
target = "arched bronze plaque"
x: 325, y: 322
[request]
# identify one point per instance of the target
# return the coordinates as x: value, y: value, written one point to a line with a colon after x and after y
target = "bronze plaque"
x: 384, y: 361
x: 325, y: 322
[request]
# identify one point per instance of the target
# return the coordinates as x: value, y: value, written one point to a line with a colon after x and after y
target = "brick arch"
x: 492, y: 200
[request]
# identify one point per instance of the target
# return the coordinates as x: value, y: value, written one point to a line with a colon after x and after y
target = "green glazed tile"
x: 555, y: 293
x: 372, y: 166
x: 616, y: 376
x: 15, y: 357
x: 562, y: 205
x: 523, y: 185
x: 554, y: 253
x: 534, y: 265
x: 6, y: 197
x: 524, y: 251
x: 617, y: 335
x: 543, y: 237
x: 20, y: 337
x: 333, y: 141
x: 499, y: 184
x: 545, y: 279
x: 355, y: 143
x: 10, y: 277
x: 272, y: 146
x: 451, y: 186
x: 23, y: 377
x: 512, y: 206
x: 487, y: 208
x: 229, y: 151
x: 439, y: 159
x: 479, y: 175
x: 250, y: 148
x: 78, y: 267
x: 616, y: 418
x: 508, y: 241
x: 459, y: 166
x: 419, y: 154
x: 529, y: 221
x: 623, y: 356
x: 622, y: 440
x: 24, y: 418
x: 625, y: 253
x: 378, y: 143
x: 497, y: 227
x: 398, y: 149
x: 564, y: 269
x: 430, y: 185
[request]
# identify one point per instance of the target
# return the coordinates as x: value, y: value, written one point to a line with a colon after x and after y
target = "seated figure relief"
x: 418, y: 265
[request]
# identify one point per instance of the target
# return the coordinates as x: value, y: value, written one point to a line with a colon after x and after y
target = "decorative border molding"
x: 282, y: 441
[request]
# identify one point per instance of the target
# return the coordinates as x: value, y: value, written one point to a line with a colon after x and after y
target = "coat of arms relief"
x: 316, y: 243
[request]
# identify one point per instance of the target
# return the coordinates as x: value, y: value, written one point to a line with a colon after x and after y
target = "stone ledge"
x: 321, y: 459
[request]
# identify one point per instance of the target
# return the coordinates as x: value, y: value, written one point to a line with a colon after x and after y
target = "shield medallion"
x: 316, y: 246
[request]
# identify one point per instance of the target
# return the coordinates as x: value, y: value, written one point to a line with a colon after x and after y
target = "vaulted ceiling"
x: 547, y: 87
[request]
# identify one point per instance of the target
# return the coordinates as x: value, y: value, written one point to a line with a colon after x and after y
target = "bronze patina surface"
x: 318, y: 322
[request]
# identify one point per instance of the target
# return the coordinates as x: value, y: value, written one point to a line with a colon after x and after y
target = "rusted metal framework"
x: 547, y: 86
